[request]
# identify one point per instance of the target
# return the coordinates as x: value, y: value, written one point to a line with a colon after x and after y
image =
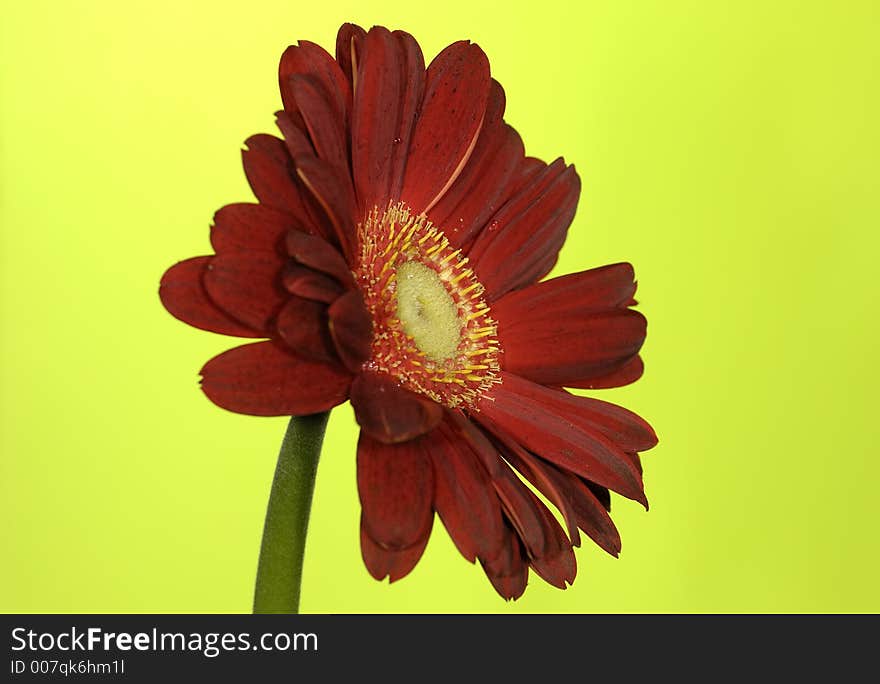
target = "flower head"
x: 394, y: 259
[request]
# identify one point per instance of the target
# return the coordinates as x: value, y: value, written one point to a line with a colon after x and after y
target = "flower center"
x: 426, y: 311
x: 431, y: 325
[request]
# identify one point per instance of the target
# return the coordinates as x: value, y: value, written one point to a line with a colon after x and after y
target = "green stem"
x: 279, y: 573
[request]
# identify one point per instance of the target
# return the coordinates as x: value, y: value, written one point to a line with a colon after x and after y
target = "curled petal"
x: 388, y: 412
x: 351, y: 329
x: 310, y: 284
x: 318, y: 254
x: 302, y: 324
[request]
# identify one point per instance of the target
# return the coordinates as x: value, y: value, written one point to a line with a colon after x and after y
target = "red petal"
x: 530, y: 467
x: 269, y: 170
x: 184, y: 295
x: 508, y: 571
x: 314, y: 61
x: 592, y: 514
x: 396, y: 486
x: 302, y: 324
x: 528, y: 171
x: 456, y: 93
x: 522, y: 410
x: 486, y: 181
x: 598, y: 289
x: 318, y: 254
x: 247, y: 286
x: 490, y: 189
x: 412, y: 65
x: 349, y: 41
x: 304, y: 282
x: 464, y: 497
x: 378, y: 100
x: 296, y: 137
x: 527, y: 514
x: 250, y: 226
x: 264, y: 379
x: 636, y: 461
x: 391, y: 563
x: 575, y: 500
x: 558, y: 566
x: 351, y: 328
x: 390, y: 413
x: 324, y: 121
x: 626, y: 429
x: 487, y: 141
x: 601, y: 493
x: 591, y: 352
x: 526, y: 231
x: 565, y: 348
x: 628, y: 373
x: 547, y: 546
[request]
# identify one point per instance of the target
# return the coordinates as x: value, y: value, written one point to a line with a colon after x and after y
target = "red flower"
x: 394, y: 260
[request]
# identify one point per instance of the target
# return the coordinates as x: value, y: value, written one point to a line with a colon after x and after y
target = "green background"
x: 727, y: 149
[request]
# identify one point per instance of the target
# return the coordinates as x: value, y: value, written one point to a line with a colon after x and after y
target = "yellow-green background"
x: 728, y: 149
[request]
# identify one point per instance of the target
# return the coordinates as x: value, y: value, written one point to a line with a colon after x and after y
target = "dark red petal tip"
x: 388, y: 412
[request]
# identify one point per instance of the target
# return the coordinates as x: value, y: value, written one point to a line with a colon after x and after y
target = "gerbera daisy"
x: 394, y: 259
